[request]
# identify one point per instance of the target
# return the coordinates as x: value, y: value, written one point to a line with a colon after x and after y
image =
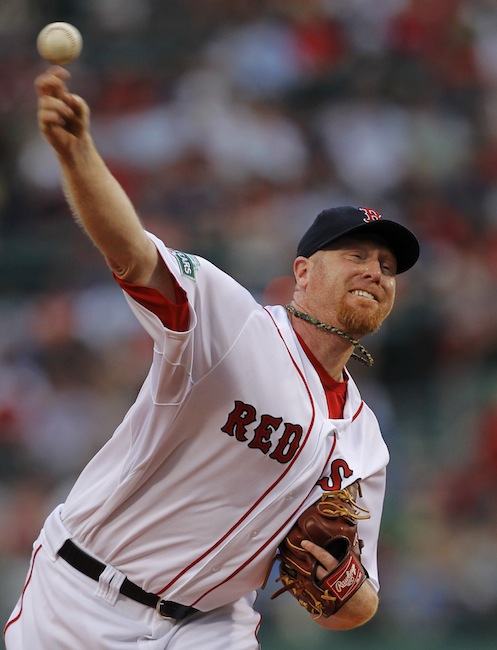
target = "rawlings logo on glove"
x: 330, y: 523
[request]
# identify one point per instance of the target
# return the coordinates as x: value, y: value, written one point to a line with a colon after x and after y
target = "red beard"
x: 359, y: 322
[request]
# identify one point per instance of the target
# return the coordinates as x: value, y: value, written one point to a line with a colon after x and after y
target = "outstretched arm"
x: 98, y: 201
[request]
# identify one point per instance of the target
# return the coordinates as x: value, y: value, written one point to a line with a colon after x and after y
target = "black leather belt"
x: 93, y: 568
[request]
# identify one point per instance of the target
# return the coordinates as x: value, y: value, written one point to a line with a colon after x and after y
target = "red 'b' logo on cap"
x: 371, y: 215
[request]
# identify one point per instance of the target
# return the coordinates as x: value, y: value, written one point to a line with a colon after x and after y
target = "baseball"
x: 59, y: 43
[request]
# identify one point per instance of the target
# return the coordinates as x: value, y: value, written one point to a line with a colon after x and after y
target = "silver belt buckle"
x: 174, y: 610
x: 158, y: 606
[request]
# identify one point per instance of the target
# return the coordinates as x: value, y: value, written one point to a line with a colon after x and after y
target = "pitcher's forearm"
x: 98, y: 201
x: 103, y: 209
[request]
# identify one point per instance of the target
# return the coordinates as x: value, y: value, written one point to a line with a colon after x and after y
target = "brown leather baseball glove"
x: 330, y: 523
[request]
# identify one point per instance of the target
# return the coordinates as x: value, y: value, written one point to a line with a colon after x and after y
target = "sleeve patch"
x: 187, y: 263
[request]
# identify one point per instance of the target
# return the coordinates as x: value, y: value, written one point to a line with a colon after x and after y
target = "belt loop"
x: 109, y: 584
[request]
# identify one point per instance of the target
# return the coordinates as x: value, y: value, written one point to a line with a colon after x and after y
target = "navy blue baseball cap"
x: 334, y: 223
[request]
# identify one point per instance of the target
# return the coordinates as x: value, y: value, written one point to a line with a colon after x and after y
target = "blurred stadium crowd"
x: 231, y: 124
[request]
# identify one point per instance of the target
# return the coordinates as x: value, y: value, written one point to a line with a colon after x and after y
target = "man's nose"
x: 372, y: 269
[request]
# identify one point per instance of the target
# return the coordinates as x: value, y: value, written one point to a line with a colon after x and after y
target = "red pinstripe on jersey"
x: 357, y: 413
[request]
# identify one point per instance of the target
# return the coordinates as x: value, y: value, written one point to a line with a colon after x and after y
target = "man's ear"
x: 301, y: 270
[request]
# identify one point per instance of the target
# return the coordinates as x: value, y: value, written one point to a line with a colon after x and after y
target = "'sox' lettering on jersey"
x: 371, y: 215
x: 280, y: 440
x: 188, y: 264
x: 338, y: 471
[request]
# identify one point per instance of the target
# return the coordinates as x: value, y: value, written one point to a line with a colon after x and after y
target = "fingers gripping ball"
x: 330, y: 523
x: 59, y: 43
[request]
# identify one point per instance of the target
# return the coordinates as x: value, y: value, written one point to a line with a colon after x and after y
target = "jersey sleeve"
x: 366, y: 453
x: 211, y: 306
x: 373, y: 490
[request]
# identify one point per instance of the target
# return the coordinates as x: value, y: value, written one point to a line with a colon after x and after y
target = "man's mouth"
x: 364, y: 294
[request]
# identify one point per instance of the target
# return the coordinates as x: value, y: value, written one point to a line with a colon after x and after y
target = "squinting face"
x: 351, y: 284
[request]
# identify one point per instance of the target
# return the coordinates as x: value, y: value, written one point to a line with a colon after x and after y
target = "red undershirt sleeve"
x: 173, y: 315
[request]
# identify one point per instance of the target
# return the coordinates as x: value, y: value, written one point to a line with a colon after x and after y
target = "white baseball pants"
x: 60, y: 609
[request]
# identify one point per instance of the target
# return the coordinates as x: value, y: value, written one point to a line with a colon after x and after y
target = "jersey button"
x: 215, y: 569
x: 254, y: 533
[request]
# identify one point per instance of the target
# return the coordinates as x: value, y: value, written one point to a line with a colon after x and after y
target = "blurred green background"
x: 231, y: 124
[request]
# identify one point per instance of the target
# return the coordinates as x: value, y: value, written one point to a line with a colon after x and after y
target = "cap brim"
x: 398, y: 238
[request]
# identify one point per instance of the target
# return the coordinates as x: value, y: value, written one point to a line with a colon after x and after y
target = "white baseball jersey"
x: 228, y: 441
